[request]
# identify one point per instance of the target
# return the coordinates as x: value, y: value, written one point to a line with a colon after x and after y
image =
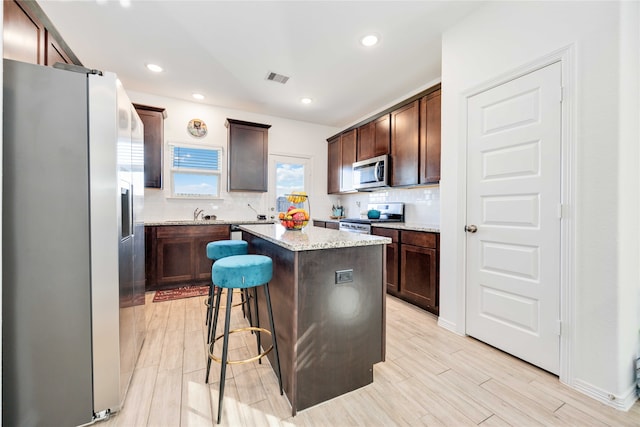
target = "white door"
x: 286, y: 175
x: 513, y: 201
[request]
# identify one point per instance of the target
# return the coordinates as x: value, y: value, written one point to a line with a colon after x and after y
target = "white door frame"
x: 568, y: 195
x: 308, y: 173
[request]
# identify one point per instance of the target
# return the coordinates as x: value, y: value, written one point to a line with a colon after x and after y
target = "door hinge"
x: 559, y: 327
x: 560, y: 210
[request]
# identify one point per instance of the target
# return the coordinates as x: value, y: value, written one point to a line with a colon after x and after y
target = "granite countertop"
x: 410, y: 226
x: 312, y: 238
x: 210, y: 222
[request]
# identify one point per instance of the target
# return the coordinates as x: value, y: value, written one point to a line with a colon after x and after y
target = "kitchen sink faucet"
x: 196, y: 213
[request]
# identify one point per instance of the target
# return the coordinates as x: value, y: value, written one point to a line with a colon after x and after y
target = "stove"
x: 389, y: 212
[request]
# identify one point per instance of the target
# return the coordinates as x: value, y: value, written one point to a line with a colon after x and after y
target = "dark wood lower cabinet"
x: 177, y: 255
x: 413, y: 266
x: 392, y: 257
x: 418, y: 283
x: 334, y: 225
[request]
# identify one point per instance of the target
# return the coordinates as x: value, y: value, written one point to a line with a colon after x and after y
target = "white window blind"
x: 195, y: 171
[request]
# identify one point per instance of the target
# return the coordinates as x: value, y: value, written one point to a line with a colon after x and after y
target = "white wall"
x: 505, y: 36
x: 285, y: 137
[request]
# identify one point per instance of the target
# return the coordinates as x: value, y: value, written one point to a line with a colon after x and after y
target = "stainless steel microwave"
x: 371, y: 173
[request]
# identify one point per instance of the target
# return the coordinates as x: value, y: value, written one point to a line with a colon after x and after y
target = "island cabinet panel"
x: 430, y: 138
x: 392, y: 257
x: 373, y: 138
x: 177, y: 256
x: 405, y: 144
x: 329, y: 334
x: 248, y: 156
x: 153, y: 120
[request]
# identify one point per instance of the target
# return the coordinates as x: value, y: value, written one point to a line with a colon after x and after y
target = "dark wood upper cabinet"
x: 348, y: 141
x: 153, y: 120
x: 248, y: 156
x: 430, y: 138
x: 29, y: 36
x: 55, y: 52
x: 342, y: 150
x: 405, y: 144
x: 334, y: 165
x: 23, y: 34
x: 373, y: 138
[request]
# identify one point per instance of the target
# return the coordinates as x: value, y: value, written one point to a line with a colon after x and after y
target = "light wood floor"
x: 431, y: 377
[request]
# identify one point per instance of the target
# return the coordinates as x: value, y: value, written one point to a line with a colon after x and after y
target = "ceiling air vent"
x: 278, y: 78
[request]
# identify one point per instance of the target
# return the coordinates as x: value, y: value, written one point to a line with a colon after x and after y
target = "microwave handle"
x: 379, y: 172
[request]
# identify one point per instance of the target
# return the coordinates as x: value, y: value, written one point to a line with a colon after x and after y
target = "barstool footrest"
x: 251, y: 359
x: 235, y: 291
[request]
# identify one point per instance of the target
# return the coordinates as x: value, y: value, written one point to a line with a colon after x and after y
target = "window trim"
x: 173, y: 170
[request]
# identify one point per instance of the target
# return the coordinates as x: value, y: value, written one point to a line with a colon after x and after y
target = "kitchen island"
x: 328, y: 296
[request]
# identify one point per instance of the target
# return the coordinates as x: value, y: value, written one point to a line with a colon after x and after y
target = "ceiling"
x: 224, y: 50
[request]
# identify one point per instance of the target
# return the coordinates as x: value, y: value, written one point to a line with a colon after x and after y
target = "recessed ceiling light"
x: 369, y: 40
x: 198, y: 96
x: 155, y: 68
x: 306, y: 100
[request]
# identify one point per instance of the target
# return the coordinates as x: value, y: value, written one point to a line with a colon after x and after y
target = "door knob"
x: 470, y: 228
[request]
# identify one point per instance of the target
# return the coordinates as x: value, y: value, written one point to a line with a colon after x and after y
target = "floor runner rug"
x: 181, y: 292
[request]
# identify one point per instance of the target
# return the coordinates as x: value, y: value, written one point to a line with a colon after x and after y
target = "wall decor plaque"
x: 197, y: 128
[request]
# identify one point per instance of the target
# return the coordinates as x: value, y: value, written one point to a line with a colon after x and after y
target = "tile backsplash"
x: 421, y: 205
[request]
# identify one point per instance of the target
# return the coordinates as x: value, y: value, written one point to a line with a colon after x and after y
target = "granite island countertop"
x: 312, y: 238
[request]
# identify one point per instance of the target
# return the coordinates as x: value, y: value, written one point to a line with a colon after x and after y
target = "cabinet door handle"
x: 470, y: 228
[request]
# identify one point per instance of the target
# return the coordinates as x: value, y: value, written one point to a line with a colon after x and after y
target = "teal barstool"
x: 215, y: 251
x: 240, y: 272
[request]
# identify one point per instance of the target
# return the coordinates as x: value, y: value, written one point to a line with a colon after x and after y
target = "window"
x: 195, y: 171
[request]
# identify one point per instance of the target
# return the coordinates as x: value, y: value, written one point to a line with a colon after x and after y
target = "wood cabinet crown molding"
x: 160, y: 110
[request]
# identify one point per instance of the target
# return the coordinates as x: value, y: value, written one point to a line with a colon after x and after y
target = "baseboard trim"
x: 622, y: 402
x: 450, y: 326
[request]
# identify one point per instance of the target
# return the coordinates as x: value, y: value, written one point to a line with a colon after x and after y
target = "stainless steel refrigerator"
x: 73, y: 249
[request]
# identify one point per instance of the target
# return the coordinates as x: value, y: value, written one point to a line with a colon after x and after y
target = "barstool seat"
x: 215, y: 251
x: 241, y: 272
x: 224, y: 248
